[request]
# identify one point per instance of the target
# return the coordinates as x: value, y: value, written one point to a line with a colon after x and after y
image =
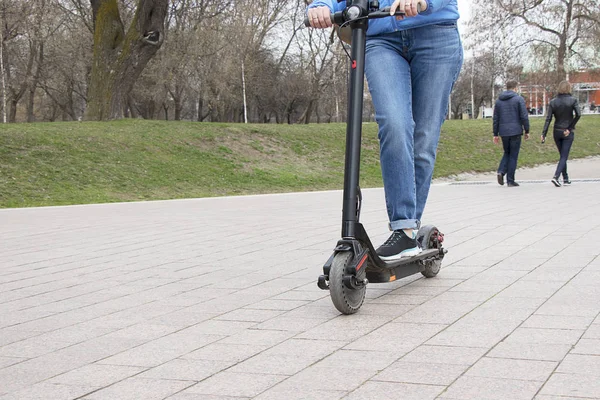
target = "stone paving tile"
x: 575, y: 385
x: 464, y: 296
x: 45, y: 391
x: 588, y: 346
x: 345, y: 328
x: 473, y: 334
x: 400, y: 338
x: 437, y: 312
x: 557, y: 322
x: 445, y: 355
x: 14, y: 334
x: 161, y: 350
x: 392, y: 390
x: 580, y: 364
x: 283, y: 305
x: 235, y: 384
x: 528, y: 370
x: 319, y: 378
x: 186, y: 369
x: 258, y: 337
x: 225, y: 352
x: 390, y: 311
x: 401, y: 299
x: 593, y: 331
x: 138, y: 388
x: 421, y: 373
x: 192, y: 396
x: 530, y: 351
x: 288, y: 323
x: 306, y: 394
x: 544, y: 336
x: 95, y: 375
x: 289, y: 357
x: 480, y: 388
x: 8, y: 361
x: 27, y: 373
x: 358, y: 359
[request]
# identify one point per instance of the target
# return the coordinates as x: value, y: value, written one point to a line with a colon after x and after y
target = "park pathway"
x: 216, y: 299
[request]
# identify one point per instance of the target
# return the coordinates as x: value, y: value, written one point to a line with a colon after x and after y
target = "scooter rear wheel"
x: 346, y: 300
x: 428, y: 237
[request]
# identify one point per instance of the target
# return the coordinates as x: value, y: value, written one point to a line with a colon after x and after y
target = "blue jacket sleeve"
x: 496, y: 119
x: 524, y: 115
x: 332, y: 4
x: 435, y: 5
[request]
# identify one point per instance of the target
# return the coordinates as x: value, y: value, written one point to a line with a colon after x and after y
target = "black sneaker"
x: 512, y: 184
x: 556, y: 182
x: 566, y: 182
x: 399, y: 245
x: 500, y: 179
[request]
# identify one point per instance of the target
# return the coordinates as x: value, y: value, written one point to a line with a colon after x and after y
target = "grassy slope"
x: 74, y: 163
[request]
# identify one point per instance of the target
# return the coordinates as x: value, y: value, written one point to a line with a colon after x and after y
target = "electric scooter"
x: 354, y: 262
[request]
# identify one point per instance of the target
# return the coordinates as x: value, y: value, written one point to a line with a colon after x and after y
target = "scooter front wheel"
x: 345, y: 299
x: 429, y: 236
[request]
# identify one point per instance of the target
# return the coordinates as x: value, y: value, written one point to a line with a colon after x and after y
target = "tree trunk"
x: 34, y: 81
x: 12, y: 110
x: 178, y: 108
x: 202, y: 117
x: 120, y: 58
x: 561, y: 55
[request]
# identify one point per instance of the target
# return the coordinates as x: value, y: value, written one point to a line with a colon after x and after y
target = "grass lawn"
x: 57, y: 163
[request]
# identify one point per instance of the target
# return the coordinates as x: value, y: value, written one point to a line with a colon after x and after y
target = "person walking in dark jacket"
x: 562, y: 107
x: 510, y: 120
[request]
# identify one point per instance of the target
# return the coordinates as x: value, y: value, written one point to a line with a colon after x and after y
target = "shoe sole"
x: 556, y: 183
x: 405, y: 253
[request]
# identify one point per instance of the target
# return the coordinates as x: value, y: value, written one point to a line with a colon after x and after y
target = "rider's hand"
x: 543, y: 139
x: 320, y: 17
x: 408, y: 6
x: 527, y: 136
x: 496, y: 139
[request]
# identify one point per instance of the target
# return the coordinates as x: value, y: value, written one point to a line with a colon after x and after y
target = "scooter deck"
x: 398, y: 269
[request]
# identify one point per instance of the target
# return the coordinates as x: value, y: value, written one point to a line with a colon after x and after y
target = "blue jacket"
x: 438, y: 11
x: 510, y: 115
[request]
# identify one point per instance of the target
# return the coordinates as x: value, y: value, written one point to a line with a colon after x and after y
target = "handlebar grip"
x: 307, y: 21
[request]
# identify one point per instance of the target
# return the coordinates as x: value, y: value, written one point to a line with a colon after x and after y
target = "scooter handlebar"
x: 381, y: 13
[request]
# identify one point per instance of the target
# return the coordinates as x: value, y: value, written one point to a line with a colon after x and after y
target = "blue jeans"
x: 563, y: 144
x: 508, y: 164
x: 410, y: 75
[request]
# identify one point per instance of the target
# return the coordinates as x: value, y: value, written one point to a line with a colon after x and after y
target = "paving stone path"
x: 216, y: 299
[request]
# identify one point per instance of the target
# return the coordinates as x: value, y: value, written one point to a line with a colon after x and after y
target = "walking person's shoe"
x: 399, y: 245
x: 512, y: 184
x: 556, y: 182
x: 500, y: 179
x: 566, y: 181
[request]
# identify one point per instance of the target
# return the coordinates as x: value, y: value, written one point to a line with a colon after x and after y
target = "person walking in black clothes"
x: 510, y: 120
x: 562, y: 107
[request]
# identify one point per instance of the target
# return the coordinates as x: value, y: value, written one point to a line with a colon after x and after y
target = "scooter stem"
x: 354, y: 128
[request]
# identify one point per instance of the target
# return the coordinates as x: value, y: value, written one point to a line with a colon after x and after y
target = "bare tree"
x: 562, y: 27
x: 120, y: 57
